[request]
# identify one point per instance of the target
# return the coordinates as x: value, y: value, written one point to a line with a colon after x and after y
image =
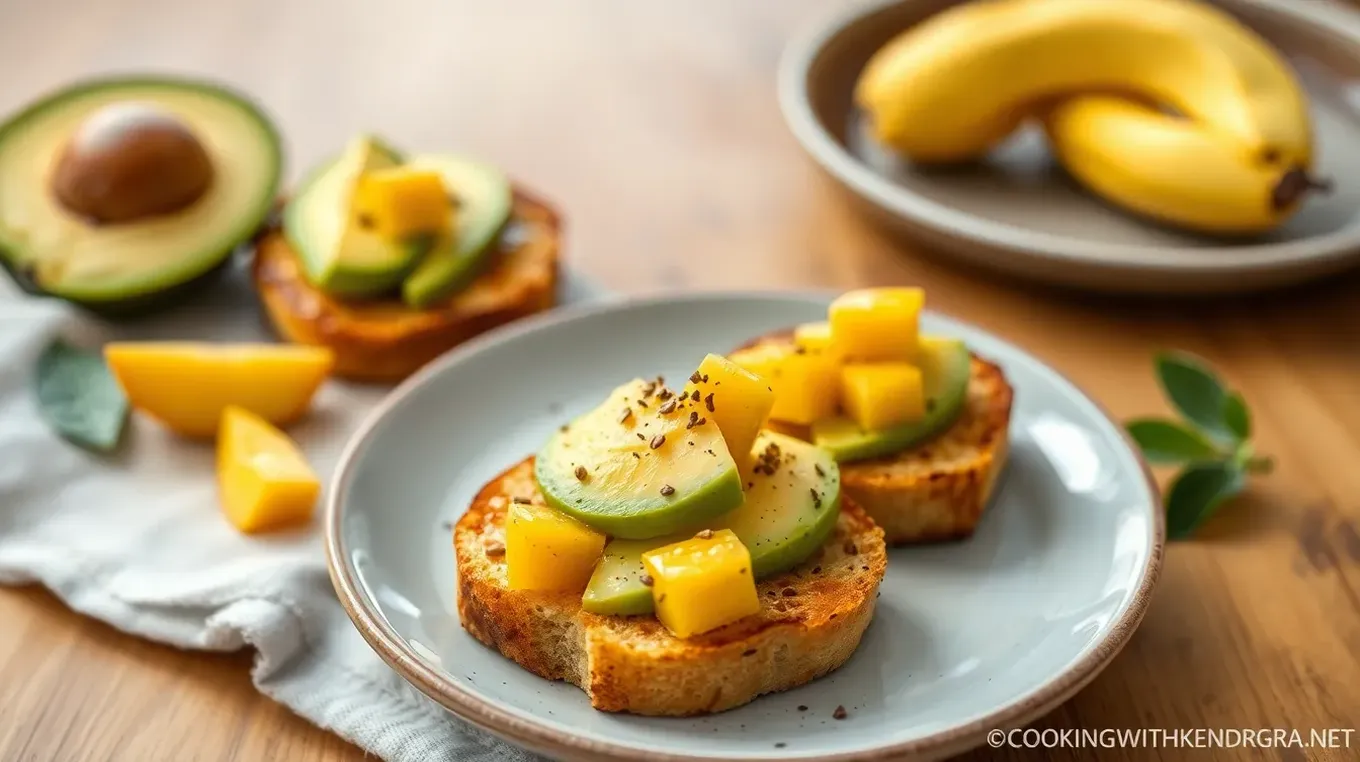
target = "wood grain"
x: 654, y: 126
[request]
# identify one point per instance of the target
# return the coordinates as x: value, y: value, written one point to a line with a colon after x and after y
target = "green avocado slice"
x: 946, y: 367
x: 616, y: 587
x: 790, y: 513
x: 642, y: 475
x: 786, y: 517
x: 339, y: 254
x: 132, y: 266
x: 485, y: 201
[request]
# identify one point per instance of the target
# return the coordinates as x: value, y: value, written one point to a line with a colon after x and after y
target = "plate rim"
x: 941, y: 222
x: 406, y: 661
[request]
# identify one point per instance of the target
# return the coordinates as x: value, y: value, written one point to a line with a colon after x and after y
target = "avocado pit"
x: 129, y: 161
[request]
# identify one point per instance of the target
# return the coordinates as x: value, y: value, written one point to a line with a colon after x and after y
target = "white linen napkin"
x: 136, y: 539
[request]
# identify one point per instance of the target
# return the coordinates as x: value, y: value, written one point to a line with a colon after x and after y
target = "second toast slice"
x: 937, y: 490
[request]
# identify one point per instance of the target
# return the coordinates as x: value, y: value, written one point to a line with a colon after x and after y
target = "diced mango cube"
x: 547, y: 550
x: 814, y: 337
x: 702, y: 583
x: 735, y: 399
x: 877, y: 324
x: 882, y: 395
x: 402, y: 202
x: 806, y: 385
x: 263, y: 481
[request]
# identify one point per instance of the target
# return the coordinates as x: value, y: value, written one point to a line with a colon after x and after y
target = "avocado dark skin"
x: 136, y: 307
x: 131, y: 307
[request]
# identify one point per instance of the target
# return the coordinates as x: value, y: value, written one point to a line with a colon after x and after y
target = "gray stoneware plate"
x: 1018, y: 214
x: 991, y: 632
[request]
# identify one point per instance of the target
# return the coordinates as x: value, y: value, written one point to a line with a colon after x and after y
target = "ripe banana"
x: 953, y: 86
x: 1170, y: 168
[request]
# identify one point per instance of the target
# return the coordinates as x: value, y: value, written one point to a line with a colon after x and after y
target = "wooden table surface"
x: 654, y: 126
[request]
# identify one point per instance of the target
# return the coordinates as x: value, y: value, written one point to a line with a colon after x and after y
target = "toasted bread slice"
x: 387, y: 340
x: 810, y: 622
x: 937, y: 490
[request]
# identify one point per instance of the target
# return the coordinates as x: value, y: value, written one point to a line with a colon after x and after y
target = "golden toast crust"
x: 938, y: 490
x: 385, y: 340
x: 811, y: 621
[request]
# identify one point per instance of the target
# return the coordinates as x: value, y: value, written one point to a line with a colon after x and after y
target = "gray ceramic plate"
x: 992, y: 632
x: 1020, y: 215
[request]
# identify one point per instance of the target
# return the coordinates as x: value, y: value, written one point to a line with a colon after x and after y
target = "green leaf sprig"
x: 1212, y: 443
x: 79, y: 398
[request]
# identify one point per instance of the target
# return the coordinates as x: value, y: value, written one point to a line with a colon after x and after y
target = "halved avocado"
x: 138, y: 265
x: 792, y: 502
x: 484, y: 202
x: 340, y: 255
x: 946, y: 366
x: 635, y: 467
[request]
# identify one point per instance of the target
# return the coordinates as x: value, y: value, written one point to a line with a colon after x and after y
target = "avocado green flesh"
x: 621, y: 494
x: 616, y: 586
x: 340, y: 255
x: 946, y: 367
x: 108, y: 267
x: 485, y: 200
x: 779, y: 523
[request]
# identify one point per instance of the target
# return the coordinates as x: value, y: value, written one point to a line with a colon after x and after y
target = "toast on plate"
x: 937, y: 490
x: 810, y: 622
x: 385, y: 340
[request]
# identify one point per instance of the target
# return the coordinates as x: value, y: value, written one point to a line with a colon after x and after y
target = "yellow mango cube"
x: 806, y: 385
x: 548, y: 550
x: 263, y: 481
x: 814, y: 337
x: 879, y: 396
x: 735, y: 399
x: 702, y: 583
x: 877, y: 324
x: 402, y: 202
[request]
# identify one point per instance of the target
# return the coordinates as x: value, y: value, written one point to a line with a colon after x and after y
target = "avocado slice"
x: 789, y: 513
x: 616, y: 587
x: 946, y: 367
x: 787, y: 516
x: 484, y: 203
x: 135, y: 266
x: 340, y: 254
x: 642, y: 474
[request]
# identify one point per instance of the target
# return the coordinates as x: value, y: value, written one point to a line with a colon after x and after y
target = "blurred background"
x: 669, y: 105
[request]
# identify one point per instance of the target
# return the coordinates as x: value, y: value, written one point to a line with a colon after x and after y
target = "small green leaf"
x: 79, y: 398
x: 1236, y: 416
x: 1197, y: 492
x: 1194, y: 390
x: 1169, y: 442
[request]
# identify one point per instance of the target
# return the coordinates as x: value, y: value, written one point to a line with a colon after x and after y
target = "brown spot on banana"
x: 1294, y: 185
